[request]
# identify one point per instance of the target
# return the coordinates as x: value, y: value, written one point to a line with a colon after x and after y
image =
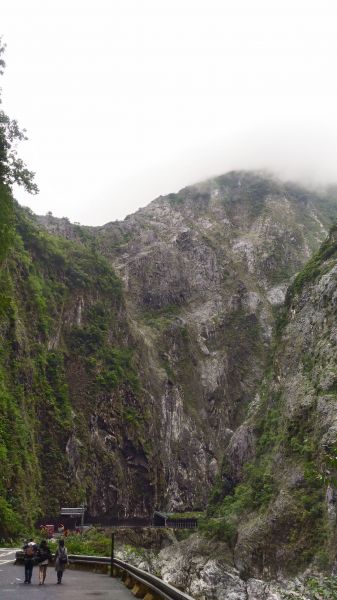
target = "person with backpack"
x: 29, y: 551
x: 44, y: 556
x: 61, y: 559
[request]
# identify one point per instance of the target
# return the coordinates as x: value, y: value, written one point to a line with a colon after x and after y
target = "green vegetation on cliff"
x: 70, y: 413
x: 316, y: 266
x: 57, y: 330
x: 284, y: 502
x: 17, y: 466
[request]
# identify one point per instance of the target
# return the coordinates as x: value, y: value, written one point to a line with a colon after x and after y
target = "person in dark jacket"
x: 61, y: 559
x: 44, y: 556
x: 29, y: 550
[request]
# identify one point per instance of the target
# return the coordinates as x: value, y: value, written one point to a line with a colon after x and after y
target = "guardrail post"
x: 112, y: 555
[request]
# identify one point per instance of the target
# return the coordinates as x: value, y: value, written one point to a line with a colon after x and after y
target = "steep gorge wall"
x: 203, y: 273
x: 130, y: 387
x: 280, y: 517
x: 73, y: 425
x: 270, y: 530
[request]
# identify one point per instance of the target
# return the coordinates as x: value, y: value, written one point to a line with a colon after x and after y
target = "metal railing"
x: 69, y: 522
x: 160, y: 587
x: 157, y: 585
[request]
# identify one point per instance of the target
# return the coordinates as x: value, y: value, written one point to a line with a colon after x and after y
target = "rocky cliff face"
x: 280, y: 516
x: 73, y: 426
x: 299, y: 522
x: 203, y: 274
x: 146, y: 341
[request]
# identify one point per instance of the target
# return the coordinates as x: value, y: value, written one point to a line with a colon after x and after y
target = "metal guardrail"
x: 157, y: 585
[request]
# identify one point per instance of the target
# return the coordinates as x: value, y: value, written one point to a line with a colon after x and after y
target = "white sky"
x: 124, y: 100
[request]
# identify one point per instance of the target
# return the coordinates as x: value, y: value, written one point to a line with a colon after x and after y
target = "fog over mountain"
x: 306, y: 157
x: 125, y: 101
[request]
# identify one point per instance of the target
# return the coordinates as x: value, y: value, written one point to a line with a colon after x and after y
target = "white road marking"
x: 7, y: 552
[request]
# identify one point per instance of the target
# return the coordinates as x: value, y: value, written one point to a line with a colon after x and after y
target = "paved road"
x: 76, y: 585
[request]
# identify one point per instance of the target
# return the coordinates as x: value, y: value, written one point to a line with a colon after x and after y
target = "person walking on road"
x: 44, y: 556
x: 61, y: 559
x: 29, y: 550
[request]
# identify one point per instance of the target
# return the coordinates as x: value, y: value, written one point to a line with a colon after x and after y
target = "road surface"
x: 76, y: 585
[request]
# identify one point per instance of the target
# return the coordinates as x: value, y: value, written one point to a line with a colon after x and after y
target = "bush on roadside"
x: 92, y: 542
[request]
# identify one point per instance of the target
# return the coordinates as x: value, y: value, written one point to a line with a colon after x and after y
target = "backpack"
x: 44, y: 553
x: 63, y: 559
x: 29, y: 551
